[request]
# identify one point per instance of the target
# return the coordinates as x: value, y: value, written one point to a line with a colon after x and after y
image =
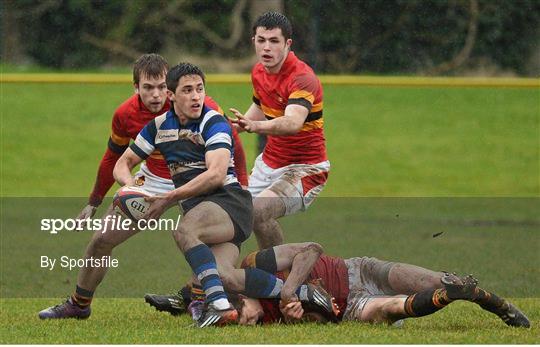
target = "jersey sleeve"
x: 217, y: 133
x: 119, y: 139
x: 256, y: 97
x: 239, y: 158
x: 303, y: 89
x: 144, y: 143
x: 104, y: 178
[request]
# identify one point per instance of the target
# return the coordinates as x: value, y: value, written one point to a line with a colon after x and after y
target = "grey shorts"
x: 368, y: 278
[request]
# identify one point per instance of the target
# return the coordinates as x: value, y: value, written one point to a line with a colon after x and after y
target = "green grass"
x: 123, y: 321
x: 456, y: 144
x: 381, y: 141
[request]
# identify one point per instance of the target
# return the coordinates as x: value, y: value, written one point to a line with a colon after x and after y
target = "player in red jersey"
x: 288, y: 107
x: 364, y: 289
x: 149, y: 101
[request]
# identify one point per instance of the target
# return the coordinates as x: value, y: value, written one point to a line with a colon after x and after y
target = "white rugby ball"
x: 129, y: 202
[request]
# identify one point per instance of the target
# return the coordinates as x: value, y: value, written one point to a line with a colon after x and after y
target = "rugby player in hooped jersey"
x: 149, y: 101
x: 196, y: 142
x: 287, y: 106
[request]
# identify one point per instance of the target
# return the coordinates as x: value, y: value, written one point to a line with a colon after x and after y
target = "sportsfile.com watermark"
x: 108, y: 223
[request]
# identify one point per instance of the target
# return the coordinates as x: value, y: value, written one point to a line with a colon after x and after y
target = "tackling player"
x: 364, y: 289
x: 149, y: 101
x: 288, y: 107
x: 371, y: 290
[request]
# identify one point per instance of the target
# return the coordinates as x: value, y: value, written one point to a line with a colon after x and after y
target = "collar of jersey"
x: 172, y: 114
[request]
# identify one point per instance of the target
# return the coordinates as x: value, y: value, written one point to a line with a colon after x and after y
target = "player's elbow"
x: 216, y: 179
x: 314, y: 247
x: 293, y: 128
x: 119, y: 167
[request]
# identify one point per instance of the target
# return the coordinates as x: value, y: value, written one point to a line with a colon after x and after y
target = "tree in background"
x: 348, y: 36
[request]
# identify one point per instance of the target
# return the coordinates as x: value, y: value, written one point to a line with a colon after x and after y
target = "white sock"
x: 221, y: 304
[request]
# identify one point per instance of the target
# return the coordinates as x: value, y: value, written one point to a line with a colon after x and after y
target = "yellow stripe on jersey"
x: 157, y: 155
x: 255, y: 94
x: 317, y: 107
x: 303, y: 94
x: 271, y: 112
x: 119, y: 140
x: 316, y: 124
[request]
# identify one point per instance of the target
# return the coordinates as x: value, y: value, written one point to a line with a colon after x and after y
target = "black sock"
x: 489, y: 301
x: 185, y: 293
x: 197, y: 293
x: 82, y: 297
x: 426, y: 302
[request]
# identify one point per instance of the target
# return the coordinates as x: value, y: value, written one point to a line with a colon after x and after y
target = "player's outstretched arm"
x: 289, y: 124
x: 243, y: 121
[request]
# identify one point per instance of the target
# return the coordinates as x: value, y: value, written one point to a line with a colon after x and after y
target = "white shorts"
x: 150, y: 183
x: 296, y: 184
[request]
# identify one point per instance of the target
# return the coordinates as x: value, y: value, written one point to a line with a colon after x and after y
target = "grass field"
x: 407, y: 163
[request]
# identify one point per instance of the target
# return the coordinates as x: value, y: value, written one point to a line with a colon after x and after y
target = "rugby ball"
x: 129, y: 202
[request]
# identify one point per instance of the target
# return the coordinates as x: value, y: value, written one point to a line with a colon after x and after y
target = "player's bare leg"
x: 102, y: 244
x: 207, y: 223
x: 391, y: 309
x: 408, y: 279
x: 267, y: 208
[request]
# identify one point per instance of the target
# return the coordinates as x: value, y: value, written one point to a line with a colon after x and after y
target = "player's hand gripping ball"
x: 129, y: 202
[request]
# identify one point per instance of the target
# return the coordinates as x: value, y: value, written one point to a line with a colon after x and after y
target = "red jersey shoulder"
x: 212, y: 104
x: 122, y: 114
x: 305, y: 81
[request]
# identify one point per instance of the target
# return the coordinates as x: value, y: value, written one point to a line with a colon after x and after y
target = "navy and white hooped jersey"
x: 184, y: 146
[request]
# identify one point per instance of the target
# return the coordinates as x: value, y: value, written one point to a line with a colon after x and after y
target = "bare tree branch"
x: 111, y: 46
x: 236, y: 25
x: 465, y: 52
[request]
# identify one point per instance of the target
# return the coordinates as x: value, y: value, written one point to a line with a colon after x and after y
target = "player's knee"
x: 259, y: 217
x: 101, y: 244
x: 181, y: 236
x: 230, y: 281
x: 314, y: 247
x: 392, y: 310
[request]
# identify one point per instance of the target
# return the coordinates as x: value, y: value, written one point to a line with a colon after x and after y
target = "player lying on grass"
x: 364, y: 289
x: 149, y: 101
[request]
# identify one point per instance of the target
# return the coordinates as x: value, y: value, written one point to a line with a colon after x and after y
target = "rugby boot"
x: 172, y: 303
x: 466, y: 288
x: 196, y: 308
x: 318, y: 299
x: 459, y: 288
x: 68, y: 309
x: 512, y: 316
x: 212, y: 316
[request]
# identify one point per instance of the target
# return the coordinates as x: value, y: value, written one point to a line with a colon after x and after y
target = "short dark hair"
x: 150, y: 65
x: 180, y: 70
x: 271, y: 20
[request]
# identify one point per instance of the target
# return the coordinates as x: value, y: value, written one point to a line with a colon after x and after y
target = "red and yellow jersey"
x: 128, y: 120
x: 297, y: 84
x: 331, y: 270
